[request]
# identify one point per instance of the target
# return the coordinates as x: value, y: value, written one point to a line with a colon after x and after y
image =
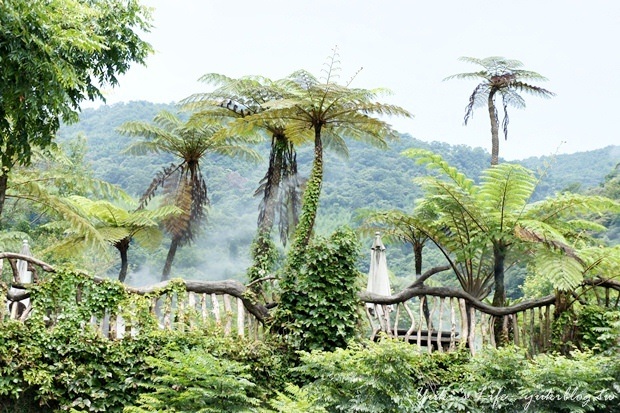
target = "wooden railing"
x: 433, y: 318
x: 440, y: 318
x: 220, y: 305
x: 450, y: 320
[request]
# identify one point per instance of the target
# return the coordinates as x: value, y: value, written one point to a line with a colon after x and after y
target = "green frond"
x: 216, y: 79
x: 505, y: 190
x: 539, y: 232
x: 114, y: 234
x: 149, y: 237
x: 237, y: 151
x: 467, y: 76
x: 601, y: 262
x: 394, y: 225
x: 55, y: 205
x: 569, y: 205
x: 565, y: 273
x: 580, y: 225
x: 150, y: 217
x: 435, y: 162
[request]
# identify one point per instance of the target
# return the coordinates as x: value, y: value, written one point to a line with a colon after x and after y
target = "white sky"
x: 407, y: 46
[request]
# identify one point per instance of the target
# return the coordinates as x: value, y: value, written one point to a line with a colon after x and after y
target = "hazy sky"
x: 407, y: 46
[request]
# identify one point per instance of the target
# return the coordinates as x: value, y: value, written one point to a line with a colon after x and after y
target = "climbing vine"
x: 319, y: 305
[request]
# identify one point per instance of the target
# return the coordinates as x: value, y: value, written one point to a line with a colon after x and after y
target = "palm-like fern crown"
x: 504, y: 77
x: 338, y: 111
x: 234, y: 99
x: 473, y: 218
x: 183, y: 184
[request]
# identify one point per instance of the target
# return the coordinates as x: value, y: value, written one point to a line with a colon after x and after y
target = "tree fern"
x: 183, y: 184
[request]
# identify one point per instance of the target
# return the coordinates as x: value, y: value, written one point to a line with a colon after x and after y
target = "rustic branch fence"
x: 222, y: 305
x: 450, y: 319
x: 456, y: 319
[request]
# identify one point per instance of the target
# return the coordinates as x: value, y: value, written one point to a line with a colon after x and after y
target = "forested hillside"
x: 367, y: 178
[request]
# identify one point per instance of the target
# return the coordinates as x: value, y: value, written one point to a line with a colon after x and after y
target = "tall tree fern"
x: 331, y: 112
x: 503, y: 77
x: 182, y: 184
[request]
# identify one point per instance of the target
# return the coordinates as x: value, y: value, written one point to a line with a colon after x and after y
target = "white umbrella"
x: 25, y: 276
x: 378, y: 278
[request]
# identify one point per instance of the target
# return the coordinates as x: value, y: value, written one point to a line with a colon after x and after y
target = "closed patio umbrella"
x: 378, y: 278
x: 25, y: 276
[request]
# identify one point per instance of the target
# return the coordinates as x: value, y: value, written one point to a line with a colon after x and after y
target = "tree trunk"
x: 309, y: 207
x: 174, y: 244
x: 494, y: 129
x: 123, y: 246
x: 272, y: 185
x: 499, y: 255
x: 417, y: 255
x: 310, y: 202
x: 4, y: 178
x: 499, y: 297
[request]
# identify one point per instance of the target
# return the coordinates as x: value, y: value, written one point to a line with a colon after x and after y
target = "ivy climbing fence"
x: 117, y: 311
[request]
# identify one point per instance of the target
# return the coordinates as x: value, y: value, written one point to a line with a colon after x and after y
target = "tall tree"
x: 326, y: 113
x: 183, y: 183
x: 233, y: 100
x: 503, y: 77
x: 480, y: 228
x: 53, y: 55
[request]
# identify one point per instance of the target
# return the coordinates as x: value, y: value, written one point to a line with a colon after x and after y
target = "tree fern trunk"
x: 165, y: 274
x: 499, y: 297
x: 4, y: 178
x: 123, y: 246
x: 494, y: 130
x: 417, y: 255
x: 310, y: 202
x: 274, y: 177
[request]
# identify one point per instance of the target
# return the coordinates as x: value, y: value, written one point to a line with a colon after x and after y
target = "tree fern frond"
x: 505, y: 190
x: 564, y: 272
x: 601, y: 262
x: 540, y: 232
x: 568, y: 205
x: 149, y: 237
x: 436, y: 163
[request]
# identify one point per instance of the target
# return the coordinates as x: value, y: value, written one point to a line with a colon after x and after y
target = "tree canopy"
x: 54, y: 55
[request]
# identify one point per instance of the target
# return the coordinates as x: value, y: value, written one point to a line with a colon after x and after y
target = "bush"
x: 319, y: 307
x: 393, y: 376
x: 194, y: 381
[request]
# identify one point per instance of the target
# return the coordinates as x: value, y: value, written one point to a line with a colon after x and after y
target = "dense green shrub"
x: 319, y: 307
x: 392, y: 376
x: 389, y: 376
x: 194, y: 381
x: 70, y: 366
x: 598, y: 328
x: 66, y: 368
